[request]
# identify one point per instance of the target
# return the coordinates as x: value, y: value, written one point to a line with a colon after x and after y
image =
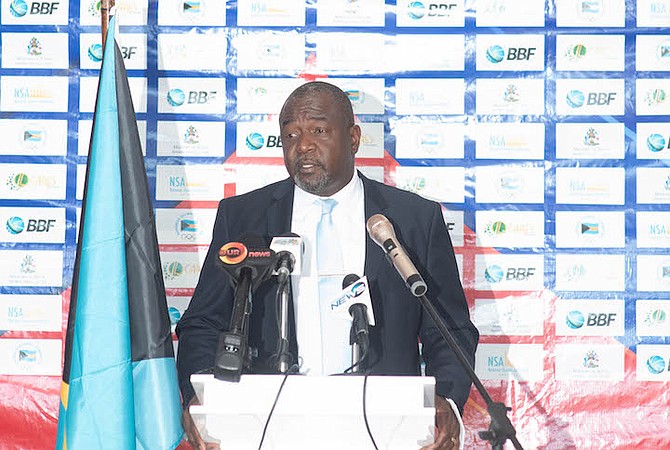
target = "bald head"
x: 309, y: 90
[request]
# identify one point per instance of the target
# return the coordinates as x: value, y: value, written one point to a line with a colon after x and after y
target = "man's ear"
x: 355, y: 134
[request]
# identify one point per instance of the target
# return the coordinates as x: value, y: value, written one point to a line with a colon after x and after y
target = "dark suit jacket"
x: 399, y: 317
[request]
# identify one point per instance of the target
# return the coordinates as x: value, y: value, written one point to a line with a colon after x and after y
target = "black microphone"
x: 381, y: 231
x: 248, y: 263
x: 289, y: 249
x: 360, y: 326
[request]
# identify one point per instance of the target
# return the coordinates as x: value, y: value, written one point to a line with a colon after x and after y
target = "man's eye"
x: 320, y: 130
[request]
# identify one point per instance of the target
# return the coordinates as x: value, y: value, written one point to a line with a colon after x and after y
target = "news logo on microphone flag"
x: 119, y: 388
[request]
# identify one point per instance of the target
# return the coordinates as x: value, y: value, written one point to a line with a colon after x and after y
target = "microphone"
x: 356, y: 292
x: 289, y: 250
x: 248, y: 263
x: 381, y: 231
x: 355, y: 299
x: 249, y: 252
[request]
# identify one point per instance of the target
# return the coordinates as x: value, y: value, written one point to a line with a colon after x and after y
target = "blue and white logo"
x: 416, y: 10
x: 656, y: 364
x: 15, y: 225
x: 575, y: 98
x: 255, y: 141
x: 494, y: 274
x: 495, y: 54
x: 655, y: 142
x: 18, y: 8
x: 95, y: 52
x: 176, y: 97
x: 574, y: 319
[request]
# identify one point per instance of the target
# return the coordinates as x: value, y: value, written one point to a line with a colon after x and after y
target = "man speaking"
x: 327, y: 202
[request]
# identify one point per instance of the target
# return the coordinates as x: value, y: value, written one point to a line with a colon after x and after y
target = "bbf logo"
x: 19, y: 8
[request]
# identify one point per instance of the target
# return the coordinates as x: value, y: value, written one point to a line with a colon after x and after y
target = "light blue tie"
x: 328, y: 250
x: 335, y: 350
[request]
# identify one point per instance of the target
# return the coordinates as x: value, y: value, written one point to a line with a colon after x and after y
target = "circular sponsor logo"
x: 493, y: 274
x: 233, y: 253
x: 95, y: 52
x: 575, y: 98
x: 17, y: 181
x: 655, y: 142
x: 176, y: 97
x: 18, y: 8
x: 173, y: 270
x: 657, y: 316
x: 174, y: 314
x: 656, y: 364
x: 495, y: 228
x: 255, y: 141
x: 416, y: 10
x: 495, y: 54
x: 15, y: 225
x: 577, y: 51
x: 574, y: 320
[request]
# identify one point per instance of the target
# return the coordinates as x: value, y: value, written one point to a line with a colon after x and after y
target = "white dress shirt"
x: 323, y: 339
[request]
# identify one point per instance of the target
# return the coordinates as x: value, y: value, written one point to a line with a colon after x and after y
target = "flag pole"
x: 104, y: 17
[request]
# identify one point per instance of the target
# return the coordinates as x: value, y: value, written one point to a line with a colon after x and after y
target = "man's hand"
x: 191, y: 431
x: 447, y: 427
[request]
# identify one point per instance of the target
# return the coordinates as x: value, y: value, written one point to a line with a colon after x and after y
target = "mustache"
x: 299, y: 162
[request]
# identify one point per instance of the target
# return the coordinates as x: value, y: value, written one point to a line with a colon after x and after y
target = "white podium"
x: 315, y: 412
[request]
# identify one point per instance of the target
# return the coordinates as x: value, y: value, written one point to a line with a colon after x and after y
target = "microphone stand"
x: 283, y: 354
x: 232, y: 352
x: 500, y: 428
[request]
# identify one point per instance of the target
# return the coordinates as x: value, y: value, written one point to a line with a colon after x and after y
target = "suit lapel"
x: 374, y: 204
x: 281, y: 209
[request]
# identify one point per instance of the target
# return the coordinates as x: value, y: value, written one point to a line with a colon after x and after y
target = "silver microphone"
x: 381, y: 231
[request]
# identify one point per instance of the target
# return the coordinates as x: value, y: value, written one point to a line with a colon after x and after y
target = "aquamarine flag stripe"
x: 100, y: 409
x: 157, y: 397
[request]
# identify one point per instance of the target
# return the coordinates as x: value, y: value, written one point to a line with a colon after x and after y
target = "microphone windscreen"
x: 349, y: 280
x: 380, y: 229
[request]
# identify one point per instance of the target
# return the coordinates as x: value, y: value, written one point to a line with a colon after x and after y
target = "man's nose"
x: 305, y: 143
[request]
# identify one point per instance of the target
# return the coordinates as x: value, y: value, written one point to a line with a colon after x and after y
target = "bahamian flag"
x: 119, y: 387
